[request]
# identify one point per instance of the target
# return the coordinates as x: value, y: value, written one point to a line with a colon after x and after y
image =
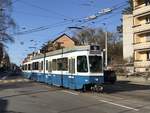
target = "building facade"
x: 65, y: 41
x: 128, y: 37
x: 141, y: 35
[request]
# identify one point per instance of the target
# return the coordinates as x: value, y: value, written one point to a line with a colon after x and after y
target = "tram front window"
x: 82, y: 64
x: 95, y: 63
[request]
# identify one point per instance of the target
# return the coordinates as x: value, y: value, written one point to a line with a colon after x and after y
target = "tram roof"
x: 64, y: 50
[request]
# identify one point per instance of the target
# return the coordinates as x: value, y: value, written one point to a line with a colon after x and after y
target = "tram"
x: 73, y: 68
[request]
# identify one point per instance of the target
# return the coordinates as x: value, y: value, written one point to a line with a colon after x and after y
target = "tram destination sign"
x: 95, y: 49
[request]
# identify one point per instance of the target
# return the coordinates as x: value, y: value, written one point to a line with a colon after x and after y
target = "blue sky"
x: 30, y: 14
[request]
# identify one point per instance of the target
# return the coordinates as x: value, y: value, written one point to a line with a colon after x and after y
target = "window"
x: 148, y: 38
x: 148, y: 55
x: 148, y: 19
x: 95, y: 63
x: 82, y: 64
x: 46, y: 64
x: 26, y: 67
x: 71, y: 65
x: 29, y: 66
x: 22, y: 67
x: 42, y: 65
x: 50, y: 66
x: 35, y: 65
x: 62, y: 64
x: 54, y: 66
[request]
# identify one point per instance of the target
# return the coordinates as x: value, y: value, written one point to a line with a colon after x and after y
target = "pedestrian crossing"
x: 13, y: 81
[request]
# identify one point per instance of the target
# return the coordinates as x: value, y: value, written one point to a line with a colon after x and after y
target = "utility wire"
x: 114, y: 8
x: 32, y: 14
x: 44, y: 9
x: 83, y: 21
x: 42, y: 28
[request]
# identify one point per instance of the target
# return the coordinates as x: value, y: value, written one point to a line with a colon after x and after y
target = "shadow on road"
x: 122, y: 86
x: 3, y: 105
x: 16, y: 85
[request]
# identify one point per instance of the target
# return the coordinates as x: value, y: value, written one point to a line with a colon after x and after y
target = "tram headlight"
x: 96, y: 79
x: 86, y: 80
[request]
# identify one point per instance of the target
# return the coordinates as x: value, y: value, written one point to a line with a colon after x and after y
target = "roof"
x: 73, y: 39
x: 65, y: 50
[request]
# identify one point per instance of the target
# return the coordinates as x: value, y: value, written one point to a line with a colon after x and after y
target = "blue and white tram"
x: 72, y: 68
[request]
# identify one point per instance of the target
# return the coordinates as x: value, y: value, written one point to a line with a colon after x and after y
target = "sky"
x: 56, y: 16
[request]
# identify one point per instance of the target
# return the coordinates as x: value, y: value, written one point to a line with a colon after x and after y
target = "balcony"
x: 142, y: 64
x: 141, y: 9
x: 143, y: 45
x: 141, y: 28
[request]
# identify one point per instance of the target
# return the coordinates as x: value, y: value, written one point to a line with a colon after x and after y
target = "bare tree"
x: 89, y: 35
x: 129, y: 8
x: 7, y: 25
x: 97, y: 36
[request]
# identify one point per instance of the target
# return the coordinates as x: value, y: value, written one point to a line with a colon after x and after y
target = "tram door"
x: 71, y: 77
x: 50, y: 71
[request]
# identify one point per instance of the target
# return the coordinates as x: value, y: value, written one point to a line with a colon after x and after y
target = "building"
x: 65, y: 41
x: 128, y: 37
x: 141, y: 35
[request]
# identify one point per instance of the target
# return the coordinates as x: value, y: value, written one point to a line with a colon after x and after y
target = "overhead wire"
x: 32, y: 14
x: 82, y: 21
x: 44, y: 9
x: 114, y: 8
x: 42, y: 28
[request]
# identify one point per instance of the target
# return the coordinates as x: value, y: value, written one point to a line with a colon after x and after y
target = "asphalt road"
x: 24, y: 96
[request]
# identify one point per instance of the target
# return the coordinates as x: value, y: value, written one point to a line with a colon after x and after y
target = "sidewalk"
x: 133, y: 79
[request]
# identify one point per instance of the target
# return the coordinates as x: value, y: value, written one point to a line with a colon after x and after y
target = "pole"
x: 44, y: 60
x: 106, y: 36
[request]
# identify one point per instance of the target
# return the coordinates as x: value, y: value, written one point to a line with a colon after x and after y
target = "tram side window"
x: 71, y: 65
x: 82, y: 64
x: 46, y: 64
x: 32, y: 66
x: 54, y: 66
x: 42, y: 65
x: 39, y: 66
x: 50, y: 66
x: 29, y: 66
x: 35, y: 65
x: 62, y: 64
x: 26, y: 67
x: 22, y: 67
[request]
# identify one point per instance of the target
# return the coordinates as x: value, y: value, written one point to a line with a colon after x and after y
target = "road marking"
x: 123, y: 106
x: 70, y: 92
x: 19, y: 80
x: 6, y: 81
x: 13, y: 81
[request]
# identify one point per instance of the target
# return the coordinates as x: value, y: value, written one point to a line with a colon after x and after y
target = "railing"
x: 138, y: 10
x: 141, y: 28
x: 139, y: 6
x: 143, y: 45
x: 143, y: 64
